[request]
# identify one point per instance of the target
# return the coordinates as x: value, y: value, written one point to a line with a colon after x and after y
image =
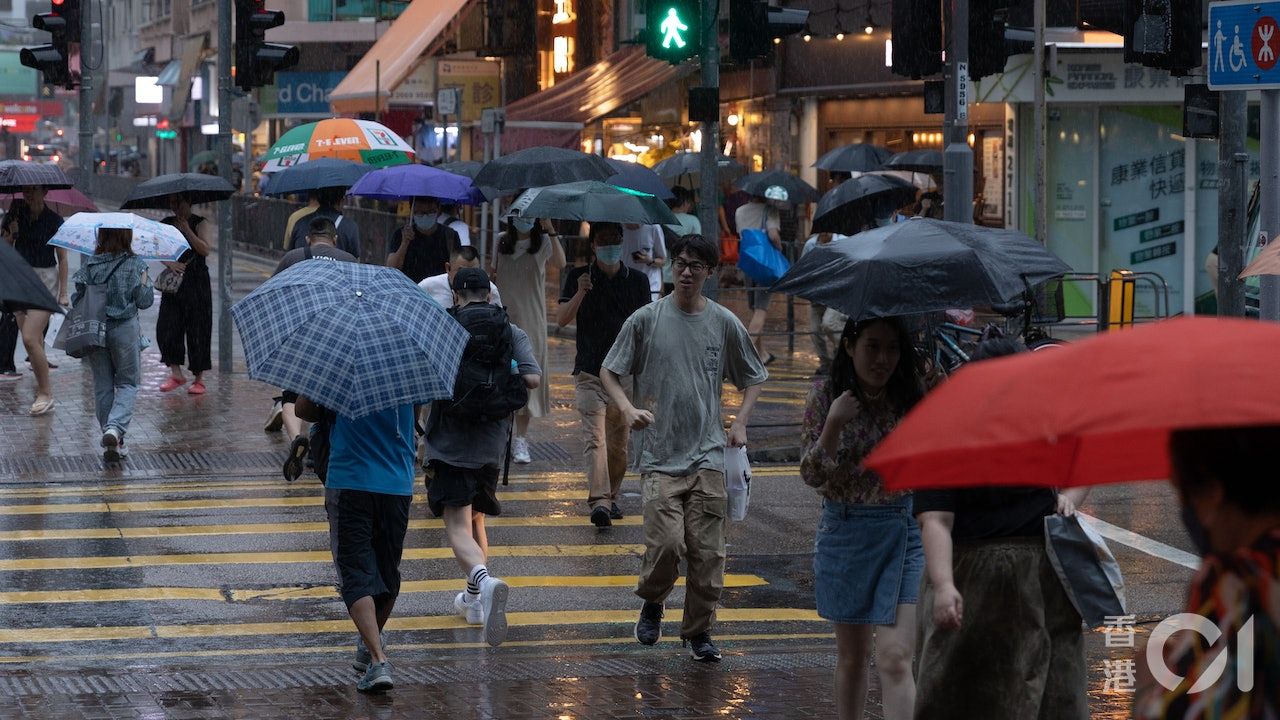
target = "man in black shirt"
x: 421, y: 248
x: 329, y: 200
x: 601, y: 295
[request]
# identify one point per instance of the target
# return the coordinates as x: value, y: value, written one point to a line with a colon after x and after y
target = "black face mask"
x: 1199, y: 535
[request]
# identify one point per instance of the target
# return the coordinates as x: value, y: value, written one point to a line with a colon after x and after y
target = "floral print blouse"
x: 842, y: 478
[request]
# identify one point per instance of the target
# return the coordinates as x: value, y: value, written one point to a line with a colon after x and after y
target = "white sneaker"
x: 493, y: 603
x: 113, y: 448
x: 275, y: 420
x: 472, y: 611
x: 520, y: 451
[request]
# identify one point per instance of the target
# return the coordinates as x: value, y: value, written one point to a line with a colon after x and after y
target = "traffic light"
x: 673, y: 30
x: 256, y: 59
x: 52, y: 59
x: 754, y: 27
x: 989, y: 42
x: 917, y: 38
x: 1163, y: 34
x: 70, y: 11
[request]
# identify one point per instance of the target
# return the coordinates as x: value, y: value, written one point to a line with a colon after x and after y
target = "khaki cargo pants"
x: 684, y: 518
x: 605, y: 435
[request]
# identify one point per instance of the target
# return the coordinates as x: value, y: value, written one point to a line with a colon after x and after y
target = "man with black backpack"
x: 468, y: 437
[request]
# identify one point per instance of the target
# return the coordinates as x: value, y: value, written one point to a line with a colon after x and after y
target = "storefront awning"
x: 417, y: 32
x: 597, y: 90
x: 193, y: 49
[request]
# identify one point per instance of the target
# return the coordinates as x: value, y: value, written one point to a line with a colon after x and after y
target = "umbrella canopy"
x: 316, y: 174
x: 921, y: 180
x: 466, y: 168
x: 1088, y: 412
x: 539, y: 167
x: 17, y: 174
x: 927, y: 161
x: 856, y: 203
x: 858, y: 157
x: 355, y: 338
x: 157, y: 192
x: 20, y: 287
x: 778, y: 185
x: 152, y: 240
x: 64, y: 202
x: 362, y: 141
x: 921, y: 266
x: 634, y: 176
x: 592, y: 201
x: 404, y: 182
x: 1266, y: 263
x: 690, y: 163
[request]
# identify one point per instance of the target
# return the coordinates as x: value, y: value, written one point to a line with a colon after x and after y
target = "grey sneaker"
x: 363, y: 657
x: 493, y: 599
x: 376, y: 679
x: 649, y: 626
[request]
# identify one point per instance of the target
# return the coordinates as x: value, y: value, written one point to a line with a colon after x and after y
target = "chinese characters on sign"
x: 1120, y: 675
x: 1164, y: 173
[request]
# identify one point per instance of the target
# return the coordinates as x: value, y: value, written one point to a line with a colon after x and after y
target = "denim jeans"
x: 116, y: 371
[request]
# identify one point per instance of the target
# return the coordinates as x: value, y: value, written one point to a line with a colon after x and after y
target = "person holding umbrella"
x: 421, y: 247
x: 116, y: 367
x: 868, y: 557
x: 28, y: 226
x: 184, y: 329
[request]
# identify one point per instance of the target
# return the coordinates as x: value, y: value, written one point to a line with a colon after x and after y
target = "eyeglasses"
x: 680, y: 265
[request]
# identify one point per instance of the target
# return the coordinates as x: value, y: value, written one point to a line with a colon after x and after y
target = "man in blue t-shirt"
x: 367, y: 493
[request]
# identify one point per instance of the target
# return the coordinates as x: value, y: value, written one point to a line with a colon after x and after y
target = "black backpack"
x: 487, y: 389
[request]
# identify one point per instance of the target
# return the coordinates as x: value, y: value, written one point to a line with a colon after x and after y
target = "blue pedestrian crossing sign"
x: 1244, y: 45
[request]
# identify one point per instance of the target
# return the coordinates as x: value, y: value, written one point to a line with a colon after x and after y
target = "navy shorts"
x: 366, y: 535
x: 453, y: 486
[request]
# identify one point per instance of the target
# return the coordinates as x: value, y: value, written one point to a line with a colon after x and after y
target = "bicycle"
x: 953, y: 344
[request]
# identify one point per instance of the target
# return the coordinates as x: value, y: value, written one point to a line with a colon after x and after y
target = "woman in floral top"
x: 868, y: 557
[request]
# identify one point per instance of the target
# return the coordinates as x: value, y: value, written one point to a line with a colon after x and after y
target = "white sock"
x: 477, y: 576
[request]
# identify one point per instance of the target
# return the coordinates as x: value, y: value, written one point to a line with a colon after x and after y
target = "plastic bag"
x: 759, y: 259
x: 1087, y: 568
x: 737, y: 478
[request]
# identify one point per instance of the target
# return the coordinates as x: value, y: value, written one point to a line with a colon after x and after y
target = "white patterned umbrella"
x: 151, y: 240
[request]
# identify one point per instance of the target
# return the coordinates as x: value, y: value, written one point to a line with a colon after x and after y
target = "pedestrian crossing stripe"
x: 321, y: 592
x: 279, y: 528
x: 50, y: 635
x: 398, y: 649
x: 102, y: 562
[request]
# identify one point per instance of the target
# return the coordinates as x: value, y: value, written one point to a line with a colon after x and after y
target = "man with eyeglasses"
x: 680, y: 350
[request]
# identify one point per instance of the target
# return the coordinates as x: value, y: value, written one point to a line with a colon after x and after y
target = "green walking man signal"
x: 672, y: 30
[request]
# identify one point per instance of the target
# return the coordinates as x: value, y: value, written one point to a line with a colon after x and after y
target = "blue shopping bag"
x: 759, y: 259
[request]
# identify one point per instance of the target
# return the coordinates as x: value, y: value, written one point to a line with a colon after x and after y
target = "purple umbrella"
x: 404, y: 182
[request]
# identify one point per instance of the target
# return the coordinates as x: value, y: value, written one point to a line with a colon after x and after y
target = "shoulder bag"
x: 85, y: 326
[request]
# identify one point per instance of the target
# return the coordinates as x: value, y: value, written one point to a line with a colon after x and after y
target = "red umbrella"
x: 64, y: 202
x: 1098, y: 411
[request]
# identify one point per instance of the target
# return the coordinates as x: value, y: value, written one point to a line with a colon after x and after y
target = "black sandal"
x: 297, y: 453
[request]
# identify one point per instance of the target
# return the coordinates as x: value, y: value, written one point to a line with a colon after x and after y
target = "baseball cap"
x: 471, y: 279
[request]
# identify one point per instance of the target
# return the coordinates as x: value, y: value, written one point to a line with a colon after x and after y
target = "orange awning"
x: 595, y: 91
x: 416, y: 33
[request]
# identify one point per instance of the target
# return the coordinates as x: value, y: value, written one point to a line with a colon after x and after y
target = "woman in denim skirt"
x: 868, y: 558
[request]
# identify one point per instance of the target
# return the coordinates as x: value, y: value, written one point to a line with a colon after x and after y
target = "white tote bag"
x: 737, y: 479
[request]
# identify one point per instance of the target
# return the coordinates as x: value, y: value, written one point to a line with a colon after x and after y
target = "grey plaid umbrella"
x: 155, y: 193
x: 17, y: 174
x: 355, y: 338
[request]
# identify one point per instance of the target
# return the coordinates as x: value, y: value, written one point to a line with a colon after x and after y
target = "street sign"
x: 447, y: 101
x: 1244, y: 45
x: 962, y: 92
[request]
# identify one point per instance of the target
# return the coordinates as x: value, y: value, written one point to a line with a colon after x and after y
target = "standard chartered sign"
x: 305, y: 93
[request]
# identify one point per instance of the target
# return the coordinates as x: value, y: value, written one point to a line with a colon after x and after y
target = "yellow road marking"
x: 110, y: 595
x: 302, y: 556
x: 278, y: 528
x: 396, y: 648
x: 401, y: 624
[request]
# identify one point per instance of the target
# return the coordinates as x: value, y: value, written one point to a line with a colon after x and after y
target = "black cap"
x: 470, y: 278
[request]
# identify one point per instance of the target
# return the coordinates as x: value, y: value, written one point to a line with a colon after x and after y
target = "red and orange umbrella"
x: 1097, y: 411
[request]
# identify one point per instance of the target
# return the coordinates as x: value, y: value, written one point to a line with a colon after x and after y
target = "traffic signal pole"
x: 957, y: 169
x: 226, y: 230
x: 1269, y: 185
x: 709, y: 191
x: 1232, y: 185
x: 86, y: 101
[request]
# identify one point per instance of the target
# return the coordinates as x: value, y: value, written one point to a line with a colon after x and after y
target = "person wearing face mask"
x: 421, y: 247
x: 525, y: 251
x: 644, y: 250
x: 1231, y: 509
x: 600, y: 296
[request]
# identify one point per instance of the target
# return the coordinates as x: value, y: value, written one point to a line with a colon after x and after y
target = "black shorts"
x: 366, y: 535
x: 452, y: 486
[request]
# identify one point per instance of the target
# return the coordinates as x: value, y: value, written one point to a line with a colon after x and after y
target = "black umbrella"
x: 465, y: 168
x: 316, y: 174
x: 857, y: 203
x: 635, y: 176
x: 921, y: 266
x: 17, y: 174
x: 778, y: 185
x: 690, y: 163
x: 541, y: 167
x: 926, y: 161
x: 156, y: 192
x: 20, y: 287
x: 593, y: 201
x: 858, y: 157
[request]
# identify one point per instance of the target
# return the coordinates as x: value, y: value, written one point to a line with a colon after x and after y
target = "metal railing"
x: 263, y: 222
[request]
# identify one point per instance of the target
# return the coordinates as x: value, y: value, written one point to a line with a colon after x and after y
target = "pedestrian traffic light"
x: 1163, y: 34
x: 256, y: 59
x: 673, y: 30
x: 754, y: 27
x: 917, y: 38
x: 52, y: 60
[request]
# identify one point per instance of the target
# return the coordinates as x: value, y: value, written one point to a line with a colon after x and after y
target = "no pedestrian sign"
x: 1244, y: 45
